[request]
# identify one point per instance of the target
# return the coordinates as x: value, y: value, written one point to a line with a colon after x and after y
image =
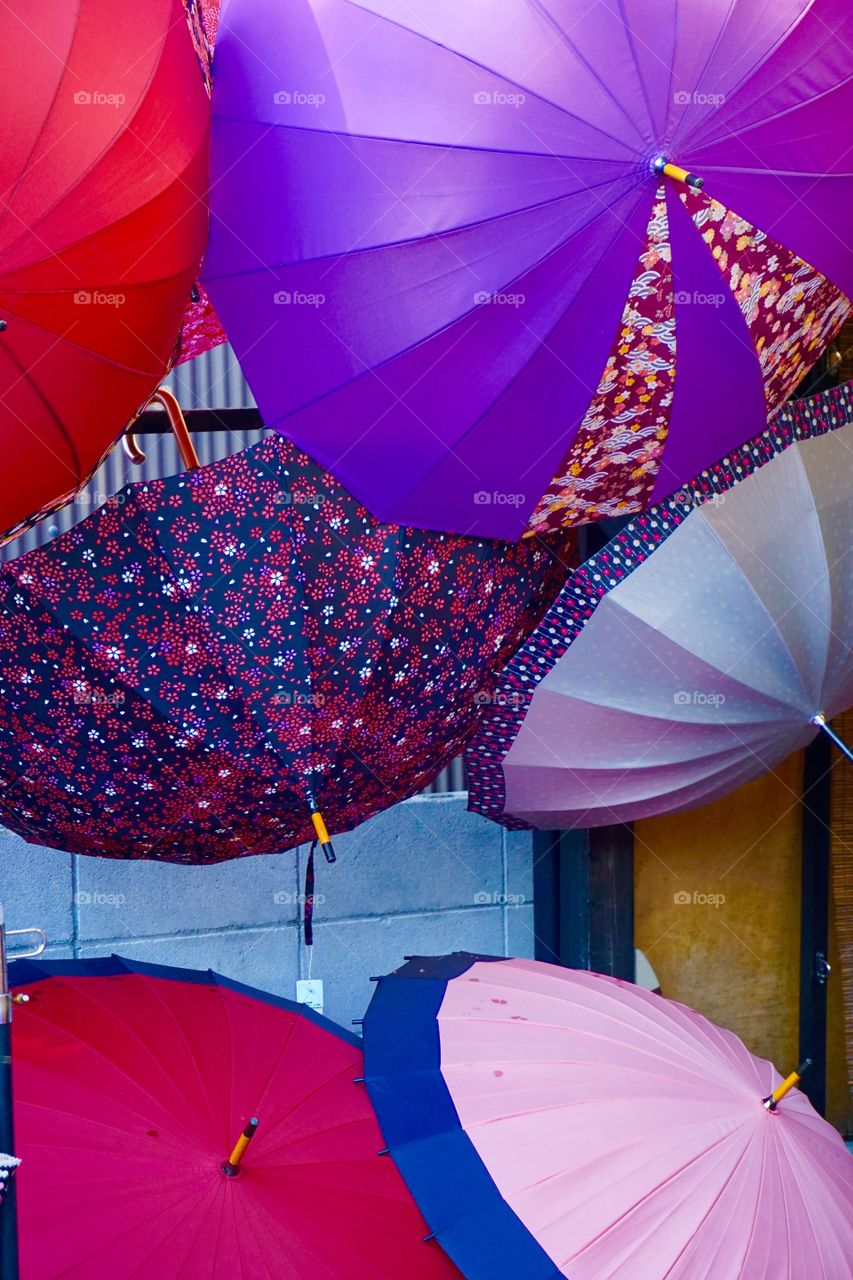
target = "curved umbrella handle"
x: 36, y: 951
x: 177, y: 422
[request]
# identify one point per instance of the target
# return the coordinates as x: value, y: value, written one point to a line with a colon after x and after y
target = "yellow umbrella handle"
x: 663, y: 167
x: 323, y: 838
x: 232, y: 1165
x: 771, y: 1102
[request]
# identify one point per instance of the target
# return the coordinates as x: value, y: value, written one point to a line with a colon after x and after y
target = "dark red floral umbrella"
x: 206, y: 659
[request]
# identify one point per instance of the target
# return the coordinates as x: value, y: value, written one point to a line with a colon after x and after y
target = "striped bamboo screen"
x: 842, y: 876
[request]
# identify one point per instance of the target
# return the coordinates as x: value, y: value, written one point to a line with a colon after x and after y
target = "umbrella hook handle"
x: 177, y: 422
x: 36, y: 950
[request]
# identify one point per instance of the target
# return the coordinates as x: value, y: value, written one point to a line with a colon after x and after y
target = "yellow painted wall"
x: 736, y: 961
x: 717, y: 912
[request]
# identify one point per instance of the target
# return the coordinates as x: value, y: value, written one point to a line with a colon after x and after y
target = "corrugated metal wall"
x: 213, y: 381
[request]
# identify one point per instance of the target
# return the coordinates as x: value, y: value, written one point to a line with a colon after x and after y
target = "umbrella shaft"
x: 839, y: 741
x: 8, y: 1212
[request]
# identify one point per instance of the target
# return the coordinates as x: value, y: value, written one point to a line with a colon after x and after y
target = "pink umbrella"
x: 557, y: 1123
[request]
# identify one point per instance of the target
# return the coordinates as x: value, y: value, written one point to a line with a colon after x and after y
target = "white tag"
x: 310, y: 991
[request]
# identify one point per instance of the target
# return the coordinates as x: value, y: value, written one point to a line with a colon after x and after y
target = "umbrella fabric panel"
x: 195, y: 663
x: 102, y: 232
x: 466, y: 303
x: 736, y: 611
x: 200, y: 327
x: 607, y: 1128
x: 788, y: 569
x: 132, y: 1084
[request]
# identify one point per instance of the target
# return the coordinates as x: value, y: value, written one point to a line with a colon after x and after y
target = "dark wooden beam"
x: 814, y: 931
x: 154, y: 421
x: 583, y: 888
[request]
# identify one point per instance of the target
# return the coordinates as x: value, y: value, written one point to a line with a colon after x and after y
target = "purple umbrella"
x: 461, y: 259
x: 706, y: 642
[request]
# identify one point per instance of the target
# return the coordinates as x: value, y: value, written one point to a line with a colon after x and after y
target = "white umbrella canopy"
x: 708, y: 663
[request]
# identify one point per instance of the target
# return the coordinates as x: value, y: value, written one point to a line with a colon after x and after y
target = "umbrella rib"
x: 671, y: 1177
x: 158, y: 993
x: 7, y: 196
x: 771, y: 629
x: 101, y: 1054
x: 109, y: 144
x: 754, y: 69
x: 706, y: 1215
x: 697, y: 80
x: 94, y: 235
x: 610, y: 996
x: 479, y: 66
x: 403, y: 494
x: 124, y: 1235
x: 640, y: 77
x: 460, y: 229
x: 616, y: 606
x: 26, y: 376
x: 285, y: 1047
x: 596, y: 75
x: 344, y: 135
x: 373, y: 370
x: 148, y: 374
x: 306, y: 1097
x: 759, y: 124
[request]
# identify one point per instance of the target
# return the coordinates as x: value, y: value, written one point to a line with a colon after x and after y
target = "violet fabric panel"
x: 409, y: 158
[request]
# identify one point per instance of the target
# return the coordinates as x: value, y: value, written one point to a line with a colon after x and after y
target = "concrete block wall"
x: 425, y: 877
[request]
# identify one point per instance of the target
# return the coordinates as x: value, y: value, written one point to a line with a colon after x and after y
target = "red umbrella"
x: 103, y: 150
x: 137, y: 1090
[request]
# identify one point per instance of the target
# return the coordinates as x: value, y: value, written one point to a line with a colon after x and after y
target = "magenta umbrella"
x: 553, y: 1123
x: 706, y: 642
x: 473, y: 275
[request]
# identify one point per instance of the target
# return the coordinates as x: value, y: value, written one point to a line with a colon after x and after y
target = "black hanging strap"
x: 308, y: 904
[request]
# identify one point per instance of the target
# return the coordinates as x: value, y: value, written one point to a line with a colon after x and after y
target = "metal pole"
x: 8, y: 1210
x: 822, y: 723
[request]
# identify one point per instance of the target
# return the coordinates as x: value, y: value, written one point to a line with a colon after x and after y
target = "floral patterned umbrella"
x: 190, y: 671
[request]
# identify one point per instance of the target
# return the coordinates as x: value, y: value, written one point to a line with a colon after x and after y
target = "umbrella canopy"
x: 461, y: 280
x: 188, y: 672
x: 557, y: 1123
x: 134, y: 1082
x: 200, y: 327
x: 696, y: 651
x: 104, y: 152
